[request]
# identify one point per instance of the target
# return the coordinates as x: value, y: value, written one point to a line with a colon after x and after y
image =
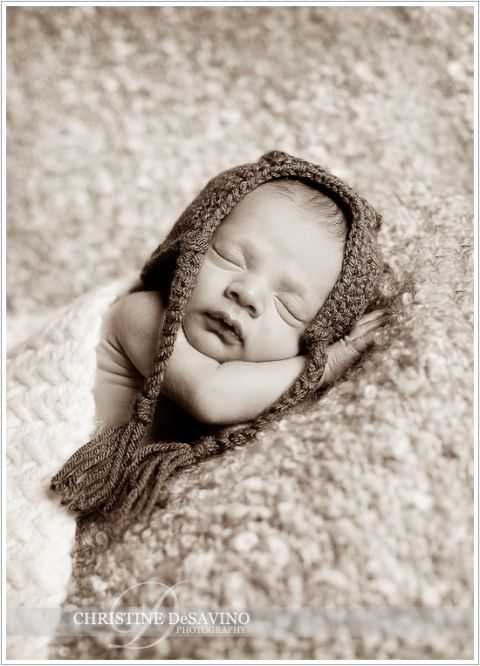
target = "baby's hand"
x: 342, y: 354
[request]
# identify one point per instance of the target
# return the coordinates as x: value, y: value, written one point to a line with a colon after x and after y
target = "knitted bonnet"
x: 112, y: 473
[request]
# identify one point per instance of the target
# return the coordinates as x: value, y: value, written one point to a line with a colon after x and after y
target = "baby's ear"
x: 273, y: 157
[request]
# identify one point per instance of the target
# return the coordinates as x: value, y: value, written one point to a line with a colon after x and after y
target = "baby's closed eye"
x: 291, y: 307
x: 229, y: 255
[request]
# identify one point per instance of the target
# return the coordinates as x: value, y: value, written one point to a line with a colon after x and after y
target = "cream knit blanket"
x: 50, y: 414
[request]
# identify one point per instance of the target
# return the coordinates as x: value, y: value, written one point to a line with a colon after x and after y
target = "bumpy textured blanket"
x: 364, y: 500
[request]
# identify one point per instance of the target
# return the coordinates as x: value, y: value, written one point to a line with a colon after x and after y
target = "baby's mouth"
x: 230, y: 327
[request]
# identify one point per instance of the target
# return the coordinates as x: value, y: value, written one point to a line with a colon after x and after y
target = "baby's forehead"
x: 286, y: 198
x: 268, y: 197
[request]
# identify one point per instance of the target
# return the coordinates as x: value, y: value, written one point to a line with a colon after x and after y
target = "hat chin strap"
x: 95, y: 476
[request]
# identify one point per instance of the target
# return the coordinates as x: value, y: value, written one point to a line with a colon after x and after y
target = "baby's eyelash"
x: 291, y: 307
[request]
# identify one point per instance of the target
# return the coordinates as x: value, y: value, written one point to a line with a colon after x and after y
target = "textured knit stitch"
x: 111, y: 473
x: 50, y: 413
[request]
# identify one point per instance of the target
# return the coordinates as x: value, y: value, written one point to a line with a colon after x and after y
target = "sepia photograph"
x: 239, y: 338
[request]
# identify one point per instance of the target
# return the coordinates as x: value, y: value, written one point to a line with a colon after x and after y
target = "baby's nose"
x: 248, y: 294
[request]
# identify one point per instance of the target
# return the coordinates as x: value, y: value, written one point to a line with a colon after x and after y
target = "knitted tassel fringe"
x: 93, y: 477
x: 147, y: 478
x: 144, y: 482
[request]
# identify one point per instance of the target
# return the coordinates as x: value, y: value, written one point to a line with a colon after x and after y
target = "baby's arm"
x: 226, y: 393
x: 238, y: 391
x: 211, y: 392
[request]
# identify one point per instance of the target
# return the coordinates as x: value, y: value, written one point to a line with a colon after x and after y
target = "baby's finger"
x: 363, y: 328
x: 371, y: 315
x: 361, y: 342
x: 341, y: 355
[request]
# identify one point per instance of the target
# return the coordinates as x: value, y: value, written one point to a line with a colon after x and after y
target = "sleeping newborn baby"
x: 271, y: 265
x: 255, y: 299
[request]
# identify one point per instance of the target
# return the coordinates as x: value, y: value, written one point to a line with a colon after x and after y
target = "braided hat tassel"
x: 94, y: 476
x: 149, y: 472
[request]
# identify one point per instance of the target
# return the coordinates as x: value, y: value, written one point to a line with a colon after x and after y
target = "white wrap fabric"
x: 50, y: 414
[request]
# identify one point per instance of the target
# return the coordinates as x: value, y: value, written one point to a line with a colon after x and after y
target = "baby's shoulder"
x: 139, y: 311
x: 133, y: 324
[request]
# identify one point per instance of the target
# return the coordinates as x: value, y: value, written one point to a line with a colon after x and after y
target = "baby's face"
x: 267, y: 272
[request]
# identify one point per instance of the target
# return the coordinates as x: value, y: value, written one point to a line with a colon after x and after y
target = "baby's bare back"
x: 117, y: 380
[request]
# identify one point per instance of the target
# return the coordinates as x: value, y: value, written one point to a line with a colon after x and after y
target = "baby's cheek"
x: 280, y: 341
